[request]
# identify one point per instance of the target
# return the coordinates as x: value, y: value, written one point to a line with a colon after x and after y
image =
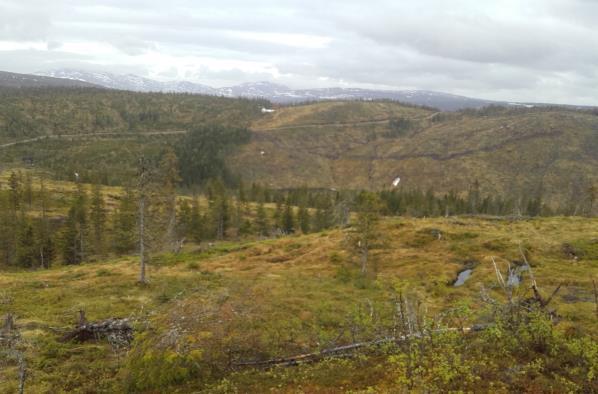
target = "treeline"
x: 507, y: 110
x: 361, y: 100
x: 39, y: 227
x: 417, y: 203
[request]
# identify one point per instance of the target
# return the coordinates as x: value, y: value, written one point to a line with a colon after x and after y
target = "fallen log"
x: 345, y: 350
x: 117, y: 331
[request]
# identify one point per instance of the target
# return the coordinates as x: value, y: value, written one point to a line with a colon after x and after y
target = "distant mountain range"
x: 14, y: 80
x: 276, y: 93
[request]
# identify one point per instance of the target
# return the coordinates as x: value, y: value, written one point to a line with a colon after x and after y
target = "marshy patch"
x: 462, y: 277
x: 465, y: 273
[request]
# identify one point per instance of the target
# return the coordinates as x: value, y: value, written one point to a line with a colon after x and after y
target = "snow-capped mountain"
x: 271, y: 91
x: 129, y: 82
x: 23, y: 81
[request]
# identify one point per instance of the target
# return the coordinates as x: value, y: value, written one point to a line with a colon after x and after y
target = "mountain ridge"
x: 21, y: 81
x: 284, y: 95
x: 276, y: 93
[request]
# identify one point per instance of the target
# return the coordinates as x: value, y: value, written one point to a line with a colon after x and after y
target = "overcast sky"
x: 532, y: 50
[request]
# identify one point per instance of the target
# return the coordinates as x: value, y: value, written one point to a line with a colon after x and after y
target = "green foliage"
x: 304, y: 218
x: 262, y: 224
x: 161, y: 368
x: 97, y: 217
x: 124, y: 224
x: 74, y: 234
x: 288, y: 219
x: 34, y: 112
x: 364, y: 234
x: 26, y: 247
x: 586, y: 249
x: 400, y: 127
x: 202, y: 153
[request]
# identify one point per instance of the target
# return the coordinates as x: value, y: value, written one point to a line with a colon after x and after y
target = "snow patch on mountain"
x: 274, y: 92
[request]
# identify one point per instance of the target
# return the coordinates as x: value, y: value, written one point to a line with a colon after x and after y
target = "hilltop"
x: 549, y: 151
x: 24, y: 81
x: 60, y: 111
x: 274, y: 92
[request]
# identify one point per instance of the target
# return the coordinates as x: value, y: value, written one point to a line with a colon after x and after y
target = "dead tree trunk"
x: 143, y: 181
x: 82, y: 319
x: 345, y: 350
x: 116, y: 331
x: 22, y: 373
x: 364, y: 259
x: 142, y: 240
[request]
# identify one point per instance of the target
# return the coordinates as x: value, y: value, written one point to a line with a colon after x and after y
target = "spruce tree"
x: 196, y: 222
x: 70, y: 241
x: 364, y: 233
x: 123, y: 230
x: 15, y: 193
x: 261, y: 220
x: 278, y: 215
x: 219, y: 209
x: 288, y: 219
x: 304, y: 219
x: 169, y: 174
x: 26, y: 245
x: 28, y: 190
x: 44, y: 240
x: 97, y: 217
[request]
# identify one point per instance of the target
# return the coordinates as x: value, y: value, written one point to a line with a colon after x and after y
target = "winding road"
x: 101, y: 135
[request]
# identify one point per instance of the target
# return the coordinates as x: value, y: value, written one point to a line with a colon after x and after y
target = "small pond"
x: 462, y: 277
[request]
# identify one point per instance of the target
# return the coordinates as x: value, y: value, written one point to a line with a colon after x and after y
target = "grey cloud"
x: 510, y: 50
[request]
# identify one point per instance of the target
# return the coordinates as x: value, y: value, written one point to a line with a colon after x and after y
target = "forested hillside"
x: 538, y: 153
x: 43, y: 112
x: 549, y: 152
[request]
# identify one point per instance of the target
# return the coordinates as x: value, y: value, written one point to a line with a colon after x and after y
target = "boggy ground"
x: 210, y: 307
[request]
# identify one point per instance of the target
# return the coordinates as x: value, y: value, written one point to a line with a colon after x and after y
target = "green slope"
x: 31, y: 113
